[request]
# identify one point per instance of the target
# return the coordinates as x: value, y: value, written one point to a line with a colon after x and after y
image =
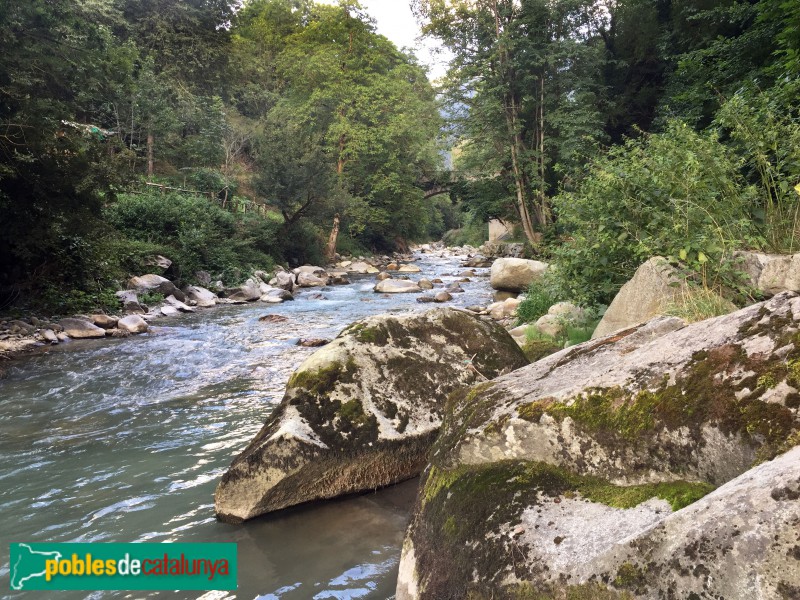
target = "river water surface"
x: 125, y: 441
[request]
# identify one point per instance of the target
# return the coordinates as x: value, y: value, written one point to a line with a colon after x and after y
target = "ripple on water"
x: 124, y: 440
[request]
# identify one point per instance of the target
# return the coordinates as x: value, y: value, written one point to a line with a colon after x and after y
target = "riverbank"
x: 35, y: 333
x: 125, y: 439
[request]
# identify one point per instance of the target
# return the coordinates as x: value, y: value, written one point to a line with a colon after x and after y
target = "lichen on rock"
x: 363, y: 411
x: 592, y: 470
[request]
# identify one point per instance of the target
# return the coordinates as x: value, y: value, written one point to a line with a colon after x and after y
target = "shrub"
x: 765, y: 130
x: 678, y: 194
x: 196, y: 234
x: 541, y: 295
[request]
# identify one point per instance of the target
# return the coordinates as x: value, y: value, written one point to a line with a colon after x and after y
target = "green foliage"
x: 677, y: 194
x: 541, y: 295
x: 699, y: 303
x: 71, y: 301
x: 197, y: 234
x: 536, y: 347
x: 765, y: 130
x: 473, y: 232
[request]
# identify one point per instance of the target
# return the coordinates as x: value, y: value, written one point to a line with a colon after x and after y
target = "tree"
x: 361, y: 112
x: 522, y: 82
x: 57, y: 165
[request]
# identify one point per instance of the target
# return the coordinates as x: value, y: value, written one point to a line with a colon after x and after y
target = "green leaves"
x: 678, y: 194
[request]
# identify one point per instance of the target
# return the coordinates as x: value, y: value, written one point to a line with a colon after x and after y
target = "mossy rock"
x: 537, y: 477
x: 374, y: 396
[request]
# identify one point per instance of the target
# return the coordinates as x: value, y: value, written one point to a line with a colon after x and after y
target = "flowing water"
x: 125, y: 440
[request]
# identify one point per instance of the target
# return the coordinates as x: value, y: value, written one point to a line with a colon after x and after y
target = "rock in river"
x: 203, y: 297
x: 516, y: 274
x: 583, y: 475
x: 362, y: 412
x: 397, y: 286
x: 81, y: 329
x: 133, y: 324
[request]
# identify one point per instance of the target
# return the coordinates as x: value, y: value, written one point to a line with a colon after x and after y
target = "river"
x: 125, y: 440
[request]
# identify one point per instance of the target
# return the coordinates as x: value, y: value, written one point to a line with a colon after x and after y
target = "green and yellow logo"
x: 123, y: 567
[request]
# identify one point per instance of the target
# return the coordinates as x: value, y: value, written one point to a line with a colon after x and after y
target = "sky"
x: 395, y: 20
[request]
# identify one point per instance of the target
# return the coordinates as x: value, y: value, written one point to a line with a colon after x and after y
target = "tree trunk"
x: 511, y: 111
x: 150, y: 142
x: 330, y: 249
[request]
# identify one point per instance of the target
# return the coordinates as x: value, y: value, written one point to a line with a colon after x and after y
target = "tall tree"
x: 524, y: 82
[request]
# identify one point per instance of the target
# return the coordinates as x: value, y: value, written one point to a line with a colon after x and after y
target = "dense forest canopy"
x: 282, y: 113
x: 613, y: 130
x: 610, y: 130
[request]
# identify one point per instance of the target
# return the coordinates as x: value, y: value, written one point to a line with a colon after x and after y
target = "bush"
x: 541, y: 295
x: 196, y: 234
x: 765, y: 130
x: 678, y: 194
x: 474, y: 232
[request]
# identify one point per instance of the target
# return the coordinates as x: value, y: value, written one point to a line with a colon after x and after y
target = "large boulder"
x: 654, y: 286
x: 363, y: 412
x: 200, y: 296
x: 133, y: 324
x: 130, y: 302
x: 504, y: 310
x: 146, y: 283
x: 307, y: 280
x: 771, y: 273
x: 284, y: 281
x: 162, y: 262
x: 310, y: 270
x: 249, y: 291
x: 362, y: 268
x: 572, y: 476
x: 397, y: 286
x: 178, y: 305
x: 167, y: 288
x: 81, y: 329
x: 515, y: 274
x: 409, y: 269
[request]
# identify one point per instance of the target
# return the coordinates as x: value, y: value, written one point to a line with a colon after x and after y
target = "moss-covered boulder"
x: 580, y: 476
x: 363, y: 412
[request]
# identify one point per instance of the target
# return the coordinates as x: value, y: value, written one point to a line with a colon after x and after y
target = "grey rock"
x: 310, y: 270
x: 694, y: 407
x: 771, y: 273
x: 396, y: 286
x: 162, y: 262
x: 653, y: 287
x: 442, y: 297
x: 146, y: 283
x: 201, y: 296
x: 133, y: 324
x: 363, y: 411
x: 48, y: 335
x: 362, y: 268
x: 515, y: 274
x: 409, y: 269
x: 249, y: 291
x: 104, y: 321
x: 168, y: 288
x: 178, y: 305
x: 203, y: 278
x: 81, y: 329
x: 169, y: 311
x: 308, y: 280
x: 285, y: 281
x: 425, y: 284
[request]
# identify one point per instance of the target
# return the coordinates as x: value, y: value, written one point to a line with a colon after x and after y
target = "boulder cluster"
x: 658, y: 460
